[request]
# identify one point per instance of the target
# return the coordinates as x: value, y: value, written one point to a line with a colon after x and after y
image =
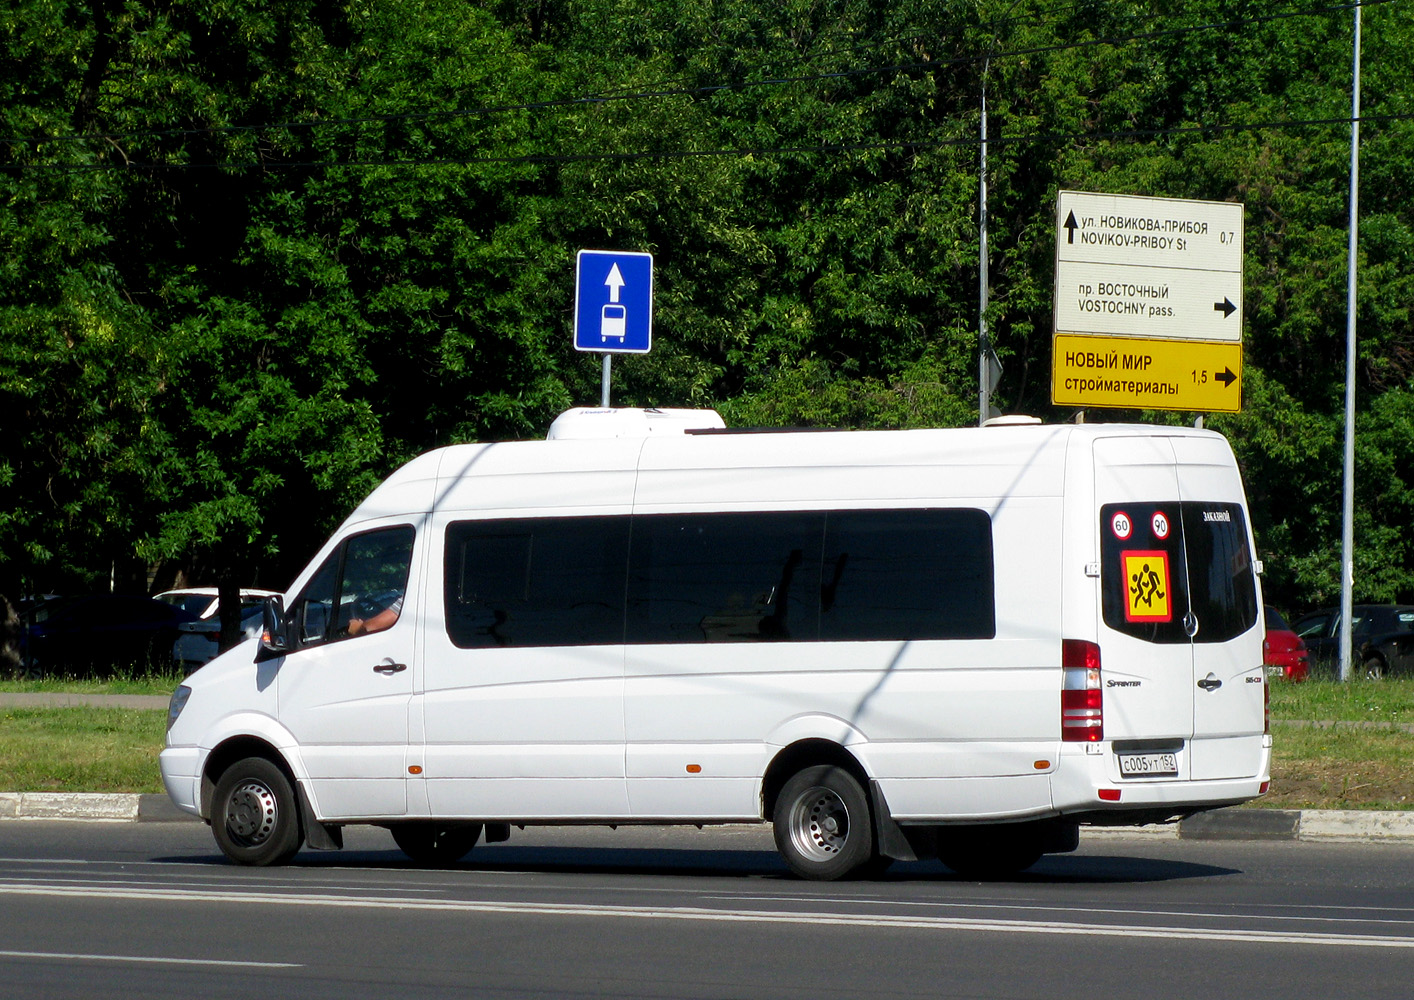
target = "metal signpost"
x: 1148, y: 303
x: 613, y: 305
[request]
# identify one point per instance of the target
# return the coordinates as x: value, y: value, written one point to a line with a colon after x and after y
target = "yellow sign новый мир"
x: 1146, y: 374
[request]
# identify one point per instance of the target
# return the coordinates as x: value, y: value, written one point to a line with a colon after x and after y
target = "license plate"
x: 1148, y: 765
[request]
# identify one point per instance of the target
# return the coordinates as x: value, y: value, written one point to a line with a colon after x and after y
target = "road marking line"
x: 1109, y: 911
x: 153, y: 959
x: 878, y: 921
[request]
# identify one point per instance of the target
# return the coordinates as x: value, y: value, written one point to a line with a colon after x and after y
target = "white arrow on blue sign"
x: 613, y: 302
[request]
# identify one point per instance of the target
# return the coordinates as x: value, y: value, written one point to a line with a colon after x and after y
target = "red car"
x: 1283, y: 653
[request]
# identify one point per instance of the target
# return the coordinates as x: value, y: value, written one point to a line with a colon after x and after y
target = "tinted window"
x: 725, y: 577
x: 721, y: 577
x: 1161, y: 561
x: 536, y: 582
x: 1221, y: 587
x: 908, y: 574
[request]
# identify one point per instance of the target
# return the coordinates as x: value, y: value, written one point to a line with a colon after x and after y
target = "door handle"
x: 389, y: 667
x: 1210, y: 683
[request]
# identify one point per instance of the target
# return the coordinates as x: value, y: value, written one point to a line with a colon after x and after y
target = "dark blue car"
x: 94, y: 635
x: 1383, y: 637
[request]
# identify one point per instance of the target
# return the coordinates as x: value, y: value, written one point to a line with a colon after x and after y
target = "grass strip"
x: 80, y: 749
x: 1389, y: 701
x: 163, y: 684
x: 1341, y: 768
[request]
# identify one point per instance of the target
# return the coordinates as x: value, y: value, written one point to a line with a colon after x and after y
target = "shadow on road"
x: 1050, y: 870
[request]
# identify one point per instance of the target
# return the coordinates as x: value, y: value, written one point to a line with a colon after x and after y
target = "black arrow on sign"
x: 1226, y: 377
x: 1070, y: 225
x: 1225, y: 307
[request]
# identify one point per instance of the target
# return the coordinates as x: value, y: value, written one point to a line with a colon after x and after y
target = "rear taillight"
x: 1082, y: 701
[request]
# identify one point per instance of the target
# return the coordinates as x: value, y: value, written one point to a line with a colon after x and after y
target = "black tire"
x: 254, y: 814
x: 989, y: 852
x: 1374, y: 668
x: 436, y: 844
x: 822, y: 824
x: 875, y: 867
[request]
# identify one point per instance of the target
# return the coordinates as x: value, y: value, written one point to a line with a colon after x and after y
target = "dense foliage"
x: 256, y: 253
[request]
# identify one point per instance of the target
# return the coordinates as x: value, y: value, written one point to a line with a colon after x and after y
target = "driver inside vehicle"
x: 374, y: 614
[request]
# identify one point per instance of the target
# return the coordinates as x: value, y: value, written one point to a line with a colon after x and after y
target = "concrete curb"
x: 112, y: 808
x: 1330, y: 825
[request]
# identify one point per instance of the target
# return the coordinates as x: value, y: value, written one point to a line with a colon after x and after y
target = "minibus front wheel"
x: 255, y: 817
x: 821, y: 823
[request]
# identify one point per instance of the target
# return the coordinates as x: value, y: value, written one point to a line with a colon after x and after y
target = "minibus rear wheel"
x: 436, y: 844
x: 821, y: 823
x: 254, y: 816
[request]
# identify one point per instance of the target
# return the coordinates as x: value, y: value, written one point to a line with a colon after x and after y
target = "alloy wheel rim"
x: 819, y: 824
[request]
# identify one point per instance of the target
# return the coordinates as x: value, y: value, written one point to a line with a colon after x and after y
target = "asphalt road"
x: 151, y: 910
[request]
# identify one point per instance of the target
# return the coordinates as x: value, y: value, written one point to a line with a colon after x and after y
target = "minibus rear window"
x: 1162, y: 562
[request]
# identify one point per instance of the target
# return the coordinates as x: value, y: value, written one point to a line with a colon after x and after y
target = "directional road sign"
x: 613, y: 302
x: 1148, y: 267
x: 1146, y: 374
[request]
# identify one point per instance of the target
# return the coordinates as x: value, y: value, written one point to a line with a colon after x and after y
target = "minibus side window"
x: 908, y: 574
x: 555, y: 581
x: 357, y: 590
x: 725, y: 577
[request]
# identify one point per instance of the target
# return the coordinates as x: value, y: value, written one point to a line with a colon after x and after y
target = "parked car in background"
x: 98, y: 633
x: 204, y: 601
x: 1382, y: 634
x: 200, y: 640
x: 1283, y: 653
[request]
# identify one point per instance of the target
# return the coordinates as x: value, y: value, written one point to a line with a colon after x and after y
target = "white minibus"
x: 961, y: 644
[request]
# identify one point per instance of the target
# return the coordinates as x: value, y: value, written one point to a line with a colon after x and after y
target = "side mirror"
x: 273, y: 640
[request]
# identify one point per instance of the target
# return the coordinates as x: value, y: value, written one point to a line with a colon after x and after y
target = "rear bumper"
x: 1086, y: 782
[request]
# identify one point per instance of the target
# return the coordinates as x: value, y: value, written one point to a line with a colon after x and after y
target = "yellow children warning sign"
x: 1147, y: 576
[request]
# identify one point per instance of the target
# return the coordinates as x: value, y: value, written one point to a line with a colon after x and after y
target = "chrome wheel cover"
x: 819, y: 824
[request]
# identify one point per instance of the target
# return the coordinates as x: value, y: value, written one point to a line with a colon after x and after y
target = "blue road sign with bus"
x: 613, y: 302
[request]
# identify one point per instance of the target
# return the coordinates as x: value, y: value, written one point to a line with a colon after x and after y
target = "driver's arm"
x: 376, y: 623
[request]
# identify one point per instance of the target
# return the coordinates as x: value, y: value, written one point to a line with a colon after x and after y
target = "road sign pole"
x: 1347, y: 514
x: 984, y: 393
x: 604, y: 382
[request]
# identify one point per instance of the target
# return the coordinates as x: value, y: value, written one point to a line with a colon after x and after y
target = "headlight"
x: 178, y: 702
